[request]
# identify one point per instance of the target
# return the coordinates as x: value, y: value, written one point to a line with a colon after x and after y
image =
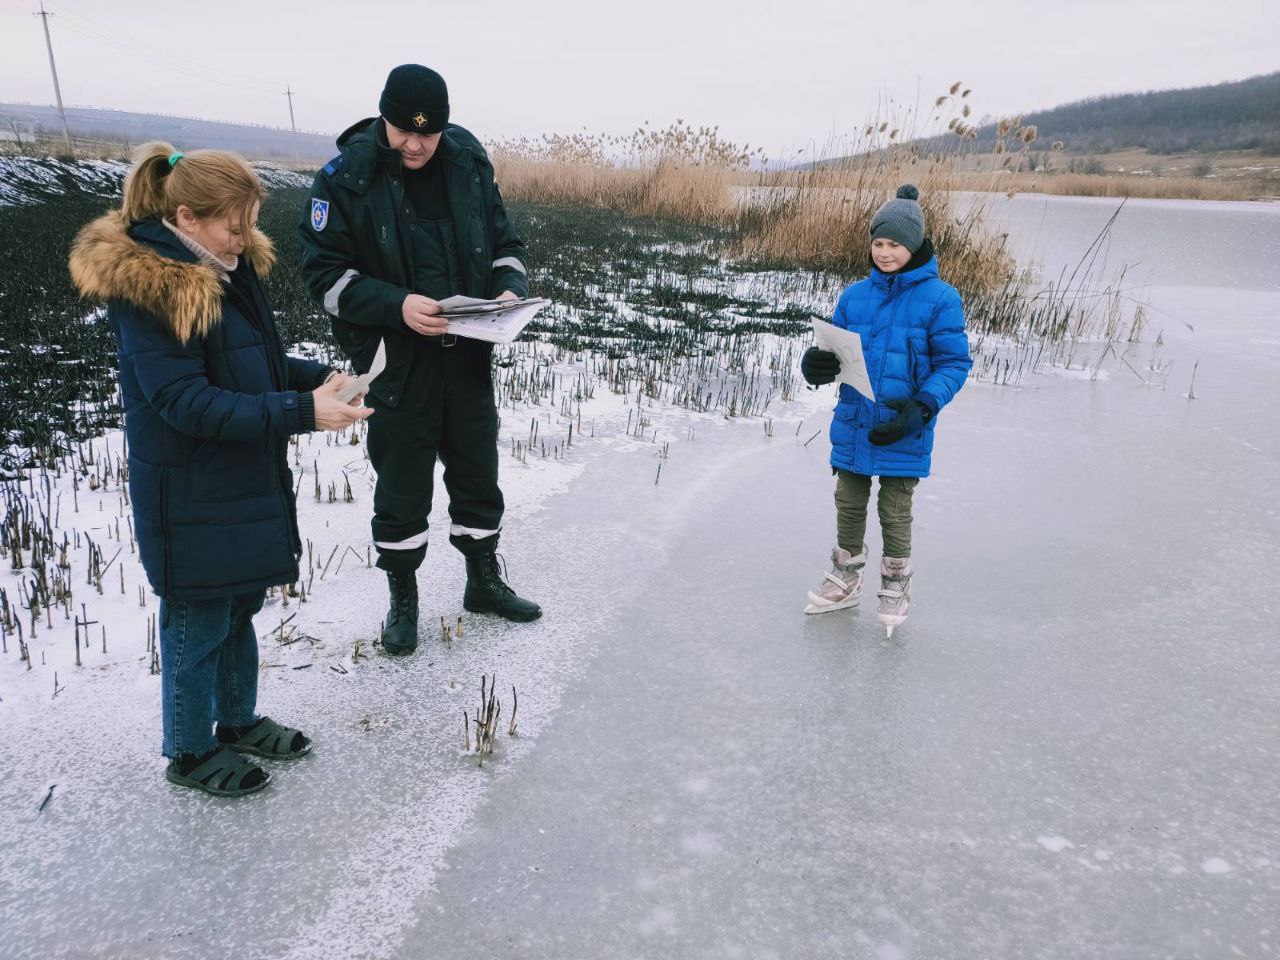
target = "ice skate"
x: 841, y: 586
x: 894, y: 592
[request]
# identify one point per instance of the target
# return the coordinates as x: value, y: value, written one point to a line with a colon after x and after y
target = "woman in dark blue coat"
x: 210, y: 402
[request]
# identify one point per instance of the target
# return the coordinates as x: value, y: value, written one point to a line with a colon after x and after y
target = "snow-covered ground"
x: 1068, y: 750
x: 34, y: 179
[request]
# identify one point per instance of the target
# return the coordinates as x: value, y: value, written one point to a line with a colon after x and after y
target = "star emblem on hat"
x: 419, y: 119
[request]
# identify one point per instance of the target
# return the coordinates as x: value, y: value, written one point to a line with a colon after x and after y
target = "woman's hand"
x: 422, y: 315
x: 341, y: 380
x: 332, y: 413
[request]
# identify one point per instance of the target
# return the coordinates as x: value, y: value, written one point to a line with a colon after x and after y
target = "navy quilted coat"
x: 207, y: 416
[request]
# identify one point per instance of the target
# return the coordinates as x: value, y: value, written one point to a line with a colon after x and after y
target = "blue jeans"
x: 208, y: 668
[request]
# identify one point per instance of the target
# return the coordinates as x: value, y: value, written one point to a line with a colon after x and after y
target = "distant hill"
x: 1243, y: 115
x: 255, y: 142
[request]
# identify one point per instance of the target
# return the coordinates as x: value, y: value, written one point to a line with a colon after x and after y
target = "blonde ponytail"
x: 144, y: 187
x: 211, y: 183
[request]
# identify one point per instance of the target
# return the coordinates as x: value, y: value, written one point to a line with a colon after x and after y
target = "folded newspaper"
x: 497, y: 321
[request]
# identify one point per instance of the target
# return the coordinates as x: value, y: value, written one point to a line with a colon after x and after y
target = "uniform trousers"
x: 446, y: 410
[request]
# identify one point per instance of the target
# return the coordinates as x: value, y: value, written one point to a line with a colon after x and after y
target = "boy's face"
x: 889, y: 255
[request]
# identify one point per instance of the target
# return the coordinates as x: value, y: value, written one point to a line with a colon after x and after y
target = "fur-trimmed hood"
x: 157, y: 274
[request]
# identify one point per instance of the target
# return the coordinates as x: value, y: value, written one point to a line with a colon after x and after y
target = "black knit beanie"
x: 415, y: 99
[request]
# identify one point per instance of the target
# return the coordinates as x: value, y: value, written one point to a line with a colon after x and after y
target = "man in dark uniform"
x: 407, y: 215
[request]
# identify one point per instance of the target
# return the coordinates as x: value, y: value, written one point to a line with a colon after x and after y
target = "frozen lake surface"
x: 1068, y: 751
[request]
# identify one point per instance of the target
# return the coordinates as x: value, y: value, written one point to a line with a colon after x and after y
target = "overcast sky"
x: 783, y: 75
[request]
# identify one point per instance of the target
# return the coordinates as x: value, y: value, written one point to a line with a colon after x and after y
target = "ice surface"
x: 1082, y: 706
x: 1055, y: 757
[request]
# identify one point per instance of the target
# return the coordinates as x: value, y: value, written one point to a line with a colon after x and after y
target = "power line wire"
x: 159, y: 51
x: 170, y: 67
x: 122, y: 43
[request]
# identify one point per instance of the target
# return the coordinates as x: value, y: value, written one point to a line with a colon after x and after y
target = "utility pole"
x: 57, y: 91
x: 288, y: 92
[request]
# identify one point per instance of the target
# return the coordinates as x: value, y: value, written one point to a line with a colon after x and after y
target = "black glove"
x: 912, y: 415
x: 819, y: 366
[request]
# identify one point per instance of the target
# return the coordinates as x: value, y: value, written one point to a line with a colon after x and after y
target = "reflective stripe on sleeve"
x: 333, y: 293
x: 511, y: 262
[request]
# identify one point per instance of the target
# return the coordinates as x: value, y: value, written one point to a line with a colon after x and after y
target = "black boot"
x: 487, y: 592
x: 400, y: 629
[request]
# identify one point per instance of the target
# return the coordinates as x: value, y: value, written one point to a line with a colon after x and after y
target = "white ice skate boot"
x: 894, y: 592
x: 841, y: 587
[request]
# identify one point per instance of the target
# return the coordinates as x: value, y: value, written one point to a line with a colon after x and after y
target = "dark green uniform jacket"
x: 356, y: 243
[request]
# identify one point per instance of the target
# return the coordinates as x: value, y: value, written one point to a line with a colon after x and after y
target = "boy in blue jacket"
x: 917, y: 354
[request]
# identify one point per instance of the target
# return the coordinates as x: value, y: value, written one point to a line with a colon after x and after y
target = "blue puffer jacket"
x: 210, y: 402
x: 913, y: 340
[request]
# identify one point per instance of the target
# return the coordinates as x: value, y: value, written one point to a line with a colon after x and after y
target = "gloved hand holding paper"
x: 846, y: 345
x: 360, y: 384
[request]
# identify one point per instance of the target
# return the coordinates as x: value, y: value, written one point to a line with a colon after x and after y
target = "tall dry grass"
x: 678, y: 172
x: 817, y: 217
x: 821, y: 220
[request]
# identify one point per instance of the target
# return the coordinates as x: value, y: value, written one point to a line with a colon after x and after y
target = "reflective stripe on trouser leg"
x: 408, y: 543
x: 894, y: 505
x: 470, y: 542
x: 457, y: 530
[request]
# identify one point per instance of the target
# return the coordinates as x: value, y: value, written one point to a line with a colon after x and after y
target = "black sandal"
x: 268, y: 739
x: 222, y: 774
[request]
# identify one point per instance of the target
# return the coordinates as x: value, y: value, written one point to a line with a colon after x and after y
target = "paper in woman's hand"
x: 846, y: 345
x: 358, y: 385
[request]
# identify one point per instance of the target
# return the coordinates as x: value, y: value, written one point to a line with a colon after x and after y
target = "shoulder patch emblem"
x: 319, y: 214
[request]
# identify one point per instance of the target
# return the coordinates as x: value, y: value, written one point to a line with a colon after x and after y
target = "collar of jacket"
x: 921, y: 266
x: 203, y: 254
x: 143, y: 263
x: 364, y: 152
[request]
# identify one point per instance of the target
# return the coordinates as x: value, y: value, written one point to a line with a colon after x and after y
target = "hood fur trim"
x: 107, y: 264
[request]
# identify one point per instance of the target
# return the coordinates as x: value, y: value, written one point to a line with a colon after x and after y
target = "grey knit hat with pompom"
x: 901, y: 219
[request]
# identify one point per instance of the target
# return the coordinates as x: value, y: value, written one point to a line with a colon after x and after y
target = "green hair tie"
x: 174, y: 158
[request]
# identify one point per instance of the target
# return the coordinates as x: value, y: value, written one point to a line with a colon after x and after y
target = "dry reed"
x: 815, y: 217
